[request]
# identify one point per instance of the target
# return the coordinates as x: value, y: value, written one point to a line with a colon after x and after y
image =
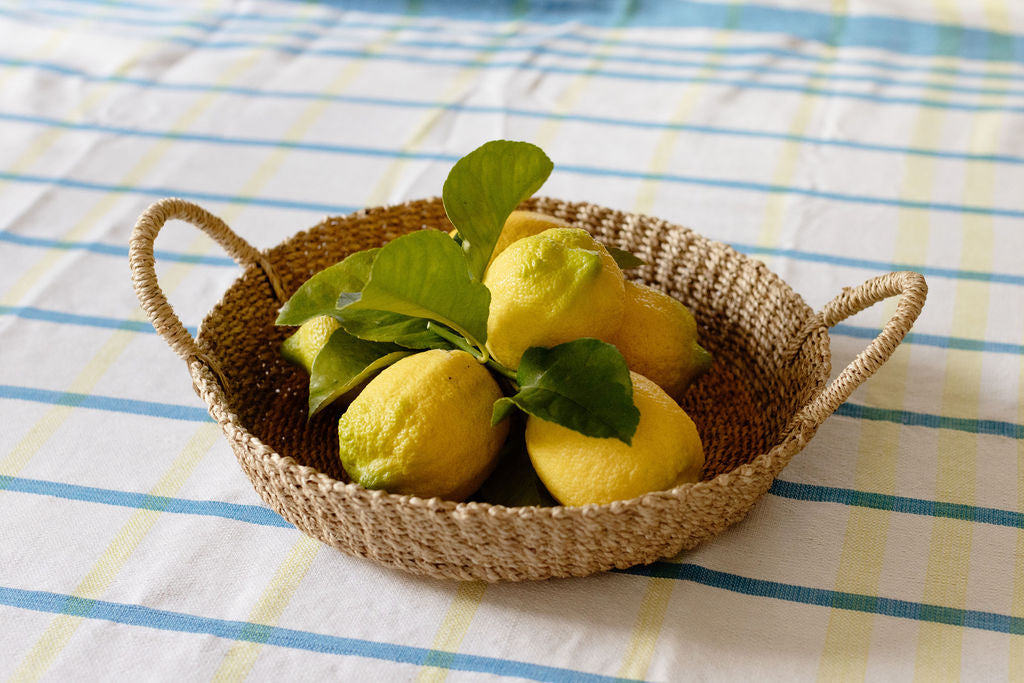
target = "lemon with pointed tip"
x: 666, y: 451
x: 658, y: 339
x: 550, y: 288
x: 422, y: 427
x: 305, y: 343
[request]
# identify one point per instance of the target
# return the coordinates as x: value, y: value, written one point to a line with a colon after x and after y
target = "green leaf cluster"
x: 423, y: 291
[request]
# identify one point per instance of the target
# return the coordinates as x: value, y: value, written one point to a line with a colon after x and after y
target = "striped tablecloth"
x: 833, y: 139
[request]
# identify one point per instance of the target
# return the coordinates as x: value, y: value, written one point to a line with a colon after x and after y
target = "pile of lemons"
x: 423, y: 425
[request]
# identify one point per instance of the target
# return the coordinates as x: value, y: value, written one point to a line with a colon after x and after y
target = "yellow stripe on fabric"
x: 545, y: 135
x: 83, y: 383
x: 454, y: 627
x: 939, y: 646
x: 48, y: 137
x: 789, y: 156
x: 53, y: 640
x: 103, y: 207
x: 103, y: 572
x: 309, y: 116
x: 1016, y: 644
x: 58, y: 34
x: 47, y: 50
x: 848, y: 636
x: 54, y: 417
x: 691, y: 95
x: 44, y: 428
x: 649, y: 621
x: 239, y: 660
x: 1016, y: 654
x: 381, y: 193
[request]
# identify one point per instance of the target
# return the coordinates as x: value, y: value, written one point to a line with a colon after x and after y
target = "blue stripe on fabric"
x: 751, y: 69
x: 767, y: 188
x: 943, y: 342
x: 532, y: 48
x: 166, y: 620
x: 1009, y: 430
x: 176, y: 192
x: 341, y: 149
x: 33, y: 313
x: 812, y: 257
x: 910, y: 506
x: 718, y: 183
x: 63, y: 318
x: 109, y: 403
x: 178, y: 412
x: 331, y: 22
x: 111, y: 249
x: 892, y: 34
x: 605, y: 73
x: 254, y: 514
x: 903, y: 609
x: 952, y: 273
x: 251, y: 514
x: 313, y: 95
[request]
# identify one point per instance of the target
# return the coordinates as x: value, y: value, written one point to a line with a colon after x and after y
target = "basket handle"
x: 912, y: 290
x: 147, y: 289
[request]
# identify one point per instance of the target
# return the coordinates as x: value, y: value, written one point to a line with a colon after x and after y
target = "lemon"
x: 578, y: 469
x: 658, y: 339
x: 520, y: 224
x: 303, y: 346
x: 551, y: 288
x: 423, y: 427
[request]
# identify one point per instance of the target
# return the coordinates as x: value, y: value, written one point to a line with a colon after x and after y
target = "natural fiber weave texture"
x: 761, y: 402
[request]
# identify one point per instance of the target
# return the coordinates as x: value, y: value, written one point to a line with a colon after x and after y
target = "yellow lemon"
x: 423, y: 427
x: 551, y: 288
x: 303, y: 346
x: 578, y: 469
x: 658, y: 339
x: 520, y: 224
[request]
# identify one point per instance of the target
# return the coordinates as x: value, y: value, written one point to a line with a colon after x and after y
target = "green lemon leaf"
x: 625, y: 259
x: 381, y: 326
x: 319, y: 294
x: 484, y: 187
x: 583, y: 385
x: 502, y: 408
x: 343, y: 363
x: 424, y: 275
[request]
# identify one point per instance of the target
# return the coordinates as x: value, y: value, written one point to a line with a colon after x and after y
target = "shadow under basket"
x: 762, y: 401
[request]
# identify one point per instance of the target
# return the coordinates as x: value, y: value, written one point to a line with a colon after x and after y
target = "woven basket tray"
x: 763, y: 399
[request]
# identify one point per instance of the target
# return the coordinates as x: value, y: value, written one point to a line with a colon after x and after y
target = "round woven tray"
x: 763, y: 399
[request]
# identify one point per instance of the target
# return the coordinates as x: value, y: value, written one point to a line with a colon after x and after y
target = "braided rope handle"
x: 143, y: 264
x: 912, y: 290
